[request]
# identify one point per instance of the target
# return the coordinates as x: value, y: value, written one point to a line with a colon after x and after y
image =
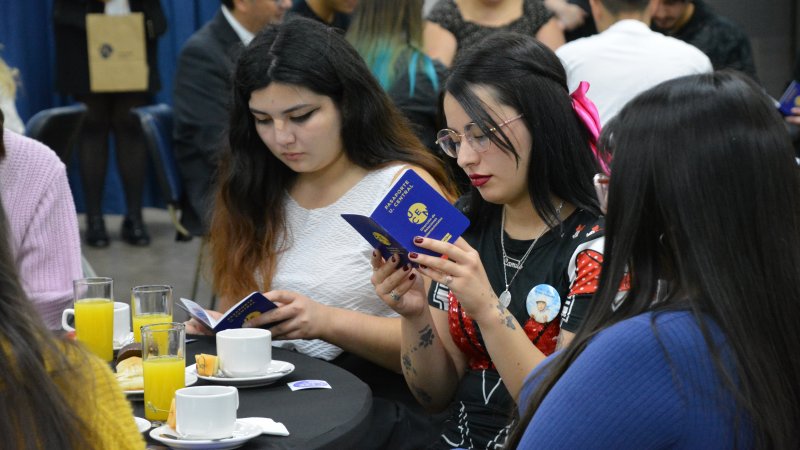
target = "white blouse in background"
x: 117, y: 7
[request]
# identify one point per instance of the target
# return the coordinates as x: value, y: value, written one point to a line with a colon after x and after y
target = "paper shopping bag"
x: 117, y: 53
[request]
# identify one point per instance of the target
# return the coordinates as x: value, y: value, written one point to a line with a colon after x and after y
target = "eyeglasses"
x: 601, y: 188
x: 450, y: 140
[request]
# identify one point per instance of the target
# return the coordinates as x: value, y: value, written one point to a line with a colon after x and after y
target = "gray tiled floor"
x: 165, y: 261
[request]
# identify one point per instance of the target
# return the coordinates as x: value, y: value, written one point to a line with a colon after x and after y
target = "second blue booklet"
x: 411, y: 208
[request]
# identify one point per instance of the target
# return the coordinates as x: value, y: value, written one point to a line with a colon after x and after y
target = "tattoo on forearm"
x: 506, y: 318
x: 426, y: 337
x: 510, y: 322
x: 408, y: 367
x: 421, y: 394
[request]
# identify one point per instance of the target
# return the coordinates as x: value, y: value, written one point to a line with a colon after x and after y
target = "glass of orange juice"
x: 150, y: 304
x: 164, y: 365
x: 94, y: 315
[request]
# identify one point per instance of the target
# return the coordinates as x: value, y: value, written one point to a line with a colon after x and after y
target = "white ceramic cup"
x: 122, y: 321
x: 206, y: 412
x: 244, y: 352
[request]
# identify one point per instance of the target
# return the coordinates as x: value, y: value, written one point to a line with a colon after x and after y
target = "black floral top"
x: 447, y: 15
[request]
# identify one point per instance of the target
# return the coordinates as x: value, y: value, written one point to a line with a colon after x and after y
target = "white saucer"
x: 127, y: 340
x: 190, y: 379
x: 277, y: 370
x: 242, y: 432
x: 143, y: 424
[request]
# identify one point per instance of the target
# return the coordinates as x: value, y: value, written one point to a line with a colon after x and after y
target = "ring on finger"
x: 395, y: 296
x: 447, y: 280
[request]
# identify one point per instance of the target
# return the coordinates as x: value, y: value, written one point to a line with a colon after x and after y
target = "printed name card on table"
x: 411, y: 208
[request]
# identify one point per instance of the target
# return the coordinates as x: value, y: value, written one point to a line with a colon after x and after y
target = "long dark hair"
x: 248, y: 220
x: 38, y: 380
x: 528, y: 76
x: 702, y: 195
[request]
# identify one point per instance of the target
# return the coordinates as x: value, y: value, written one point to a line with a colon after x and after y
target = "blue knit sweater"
x: 641, y: 387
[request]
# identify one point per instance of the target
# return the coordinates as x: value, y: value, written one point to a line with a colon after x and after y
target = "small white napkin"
x: 268, y: 426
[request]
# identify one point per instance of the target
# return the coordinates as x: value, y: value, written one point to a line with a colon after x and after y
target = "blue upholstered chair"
x: 58, y: 128
x: 156, y: 121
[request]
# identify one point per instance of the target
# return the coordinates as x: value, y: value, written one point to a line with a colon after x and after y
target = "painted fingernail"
x: 405, y: 268
x: 423, y: 266
x: 374, y: 254
x: 418, y: 240
x: 412, y: 276
x: 394, y: 258
x: 413, y: 255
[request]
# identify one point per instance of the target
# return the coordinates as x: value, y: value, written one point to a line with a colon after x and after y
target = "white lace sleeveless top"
x: 328, y: 261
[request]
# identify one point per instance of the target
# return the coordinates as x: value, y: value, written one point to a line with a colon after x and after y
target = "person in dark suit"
x: 107, y: 112
x: 202, y: 85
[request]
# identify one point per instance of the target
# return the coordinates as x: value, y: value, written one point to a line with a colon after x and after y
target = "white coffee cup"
x: 206, y: 412
x: 244, y: 352
x: 122, y: 321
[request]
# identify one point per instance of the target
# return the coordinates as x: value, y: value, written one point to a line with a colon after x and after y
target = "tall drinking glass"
x: 94, y: 315
x: 164, y: 365
x: 150, y: 304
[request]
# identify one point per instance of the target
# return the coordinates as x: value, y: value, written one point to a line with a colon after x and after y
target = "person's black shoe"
x: 134, y: 232
x: 96, y: 235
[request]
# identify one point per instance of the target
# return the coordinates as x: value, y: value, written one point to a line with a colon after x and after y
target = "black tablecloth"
x: 315, y: 418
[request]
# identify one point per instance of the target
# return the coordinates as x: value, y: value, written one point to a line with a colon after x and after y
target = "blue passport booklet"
x: 253, y: 305
x: 790, y: 98
x: 411, y: 208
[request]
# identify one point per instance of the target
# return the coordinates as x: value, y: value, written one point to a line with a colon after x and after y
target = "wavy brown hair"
x: 248, y: 221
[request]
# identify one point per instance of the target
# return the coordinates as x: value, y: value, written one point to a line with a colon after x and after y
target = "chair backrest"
x: 58, y: 128
x: 156, y: 121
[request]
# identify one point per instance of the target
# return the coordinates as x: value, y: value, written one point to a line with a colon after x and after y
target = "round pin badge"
x: 543, y: 303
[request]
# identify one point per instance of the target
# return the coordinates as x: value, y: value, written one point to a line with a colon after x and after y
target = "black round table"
x: 316, y: 418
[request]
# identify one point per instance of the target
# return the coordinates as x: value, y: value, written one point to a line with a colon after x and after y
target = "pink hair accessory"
x: 587, y: 112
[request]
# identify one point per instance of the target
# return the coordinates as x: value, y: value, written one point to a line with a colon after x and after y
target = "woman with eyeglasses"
x: 312, y: 136
x: 703, y: 351
x: 533, y: 249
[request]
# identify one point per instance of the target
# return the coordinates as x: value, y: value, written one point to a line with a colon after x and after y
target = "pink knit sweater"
x: 43, y: 222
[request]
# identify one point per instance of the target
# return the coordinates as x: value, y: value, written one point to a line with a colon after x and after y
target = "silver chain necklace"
x: 505, y: 297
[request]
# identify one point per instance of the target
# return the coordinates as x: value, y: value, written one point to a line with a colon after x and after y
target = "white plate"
x: 190, y: 379
x: 277, y: 370
x: 143, y: 424
x: 242, y: 432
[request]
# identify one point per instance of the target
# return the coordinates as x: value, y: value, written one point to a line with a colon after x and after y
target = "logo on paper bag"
x: 418, y: 213
x: 106, y: 50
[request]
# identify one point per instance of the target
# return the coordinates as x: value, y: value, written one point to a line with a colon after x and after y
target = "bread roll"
x: 130, y: 374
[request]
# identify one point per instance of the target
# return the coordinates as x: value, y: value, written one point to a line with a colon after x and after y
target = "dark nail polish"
x: 423, y: 266
x: 405, y: 268
x: 413, y: 255
x: 374, y: 254
x: 418, y: 240
x: 412, y: 276
x: 394, y: 258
